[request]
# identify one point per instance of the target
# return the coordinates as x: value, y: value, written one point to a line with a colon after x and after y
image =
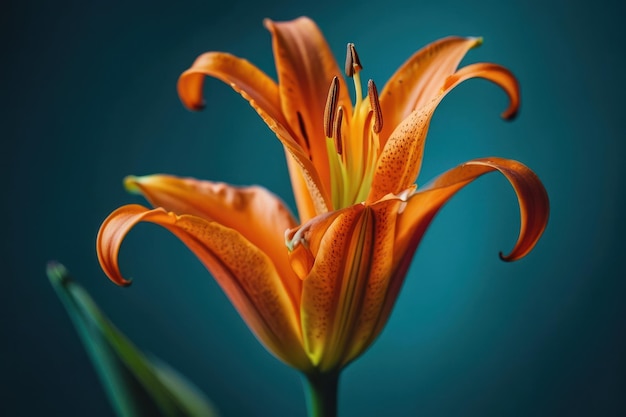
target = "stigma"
x: 352, y: 136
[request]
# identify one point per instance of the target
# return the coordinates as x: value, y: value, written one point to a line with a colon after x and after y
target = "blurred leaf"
x: 137, y: 386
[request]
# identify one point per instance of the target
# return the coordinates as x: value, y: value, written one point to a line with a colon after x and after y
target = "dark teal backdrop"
x: 88, y: 96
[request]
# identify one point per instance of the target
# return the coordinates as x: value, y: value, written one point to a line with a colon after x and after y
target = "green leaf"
x: 137, y: 385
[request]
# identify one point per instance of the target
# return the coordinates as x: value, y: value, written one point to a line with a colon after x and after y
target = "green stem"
x: 321, y: 394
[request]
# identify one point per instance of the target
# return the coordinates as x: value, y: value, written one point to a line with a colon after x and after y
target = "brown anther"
x: 331, y: 107
x: 353, y: 63
x: 337, y: 131
x: 372, y: 92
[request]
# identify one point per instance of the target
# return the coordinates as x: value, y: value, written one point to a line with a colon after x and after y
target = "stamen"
x: 353, y: 63
x: 331, y: 107
x: 372, y: 92
x: 337, y: 131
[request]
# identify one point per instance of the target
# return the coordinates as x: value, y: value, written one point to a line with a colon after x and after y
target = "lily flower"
x: 317, y: 290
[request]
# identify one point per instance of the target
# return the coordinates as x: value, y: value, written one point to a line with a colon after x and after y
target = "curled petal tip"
x: 120, y: 280
x: 512, y: 257
x: 130, y: 184
x: 125, y: 282
x: 532, y: 197
x: 196, y: 106
x: 494, y: 73
x: 510, y: 114
x: 505, y: 258
x: 112, y: 233
x: 478, y: 40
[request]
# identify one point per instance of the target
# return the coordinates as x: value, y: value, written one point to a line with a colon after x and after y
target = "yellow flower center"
x: 352, y: 139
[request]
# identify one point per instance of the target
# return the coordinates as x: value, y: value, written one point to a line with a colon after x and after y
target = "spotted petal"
x: 401, y: 159
x: 352, y: 251
x: 531, y: 195
x: 245, y: 273
x: 263, y: 95
x: 257, y: 214
x: 420, y: 79
x: 306, y: 66
x: 422, y: 207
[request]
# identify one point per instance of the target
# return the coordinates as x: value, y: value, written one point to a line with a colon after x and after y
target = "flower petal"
x: 401, y: 159
x: 308, y: 206
x: 257, y: 214
x: 304, y: 241
x: 263, y: 95
x: 376, y: 281
x: 342, y: 246
x: 240, y: 74
x: 421, y: 208
x: 349, y: 254
x: 424, y: 205
x: 531, y: 195
x: 244, y: 272
x: 494, y: 73
x: 305, y: 66
x: 420, y: 79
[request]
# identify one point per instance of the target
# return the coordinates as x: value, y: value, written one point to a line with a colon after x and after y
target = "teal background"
x: 88, y: 97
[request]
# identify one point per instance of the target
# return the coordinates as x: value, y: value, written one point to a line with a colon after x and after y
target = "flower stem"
x: 321, y: 394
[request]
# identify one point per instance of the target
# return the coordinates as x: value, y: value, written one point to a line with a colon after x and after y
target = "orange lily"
x: 316, y: 292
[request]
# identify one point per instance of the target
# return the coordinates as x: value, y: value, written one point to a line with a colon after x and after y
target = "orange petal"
x: 263, y: 95
x: 307, y: 206
x: 422, y: 207
x: 494, y: 73
x: 343, y: 290
x: 531, y: 195
x: 322, y: 301
x: 367, y: 313
x: 257, y: 214
x: 401, y: 159
x: 420, y: 79
x: 305, y: 66
x: 241, y: 75
x: 304, y: 241
x: 244, y: 272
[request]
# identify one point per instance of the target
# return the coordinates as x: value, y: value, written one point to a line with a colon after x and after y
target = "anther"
x: 372, y: 92
x: 353, y: 63
x: 337, y: 131
x: 331, y: 107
